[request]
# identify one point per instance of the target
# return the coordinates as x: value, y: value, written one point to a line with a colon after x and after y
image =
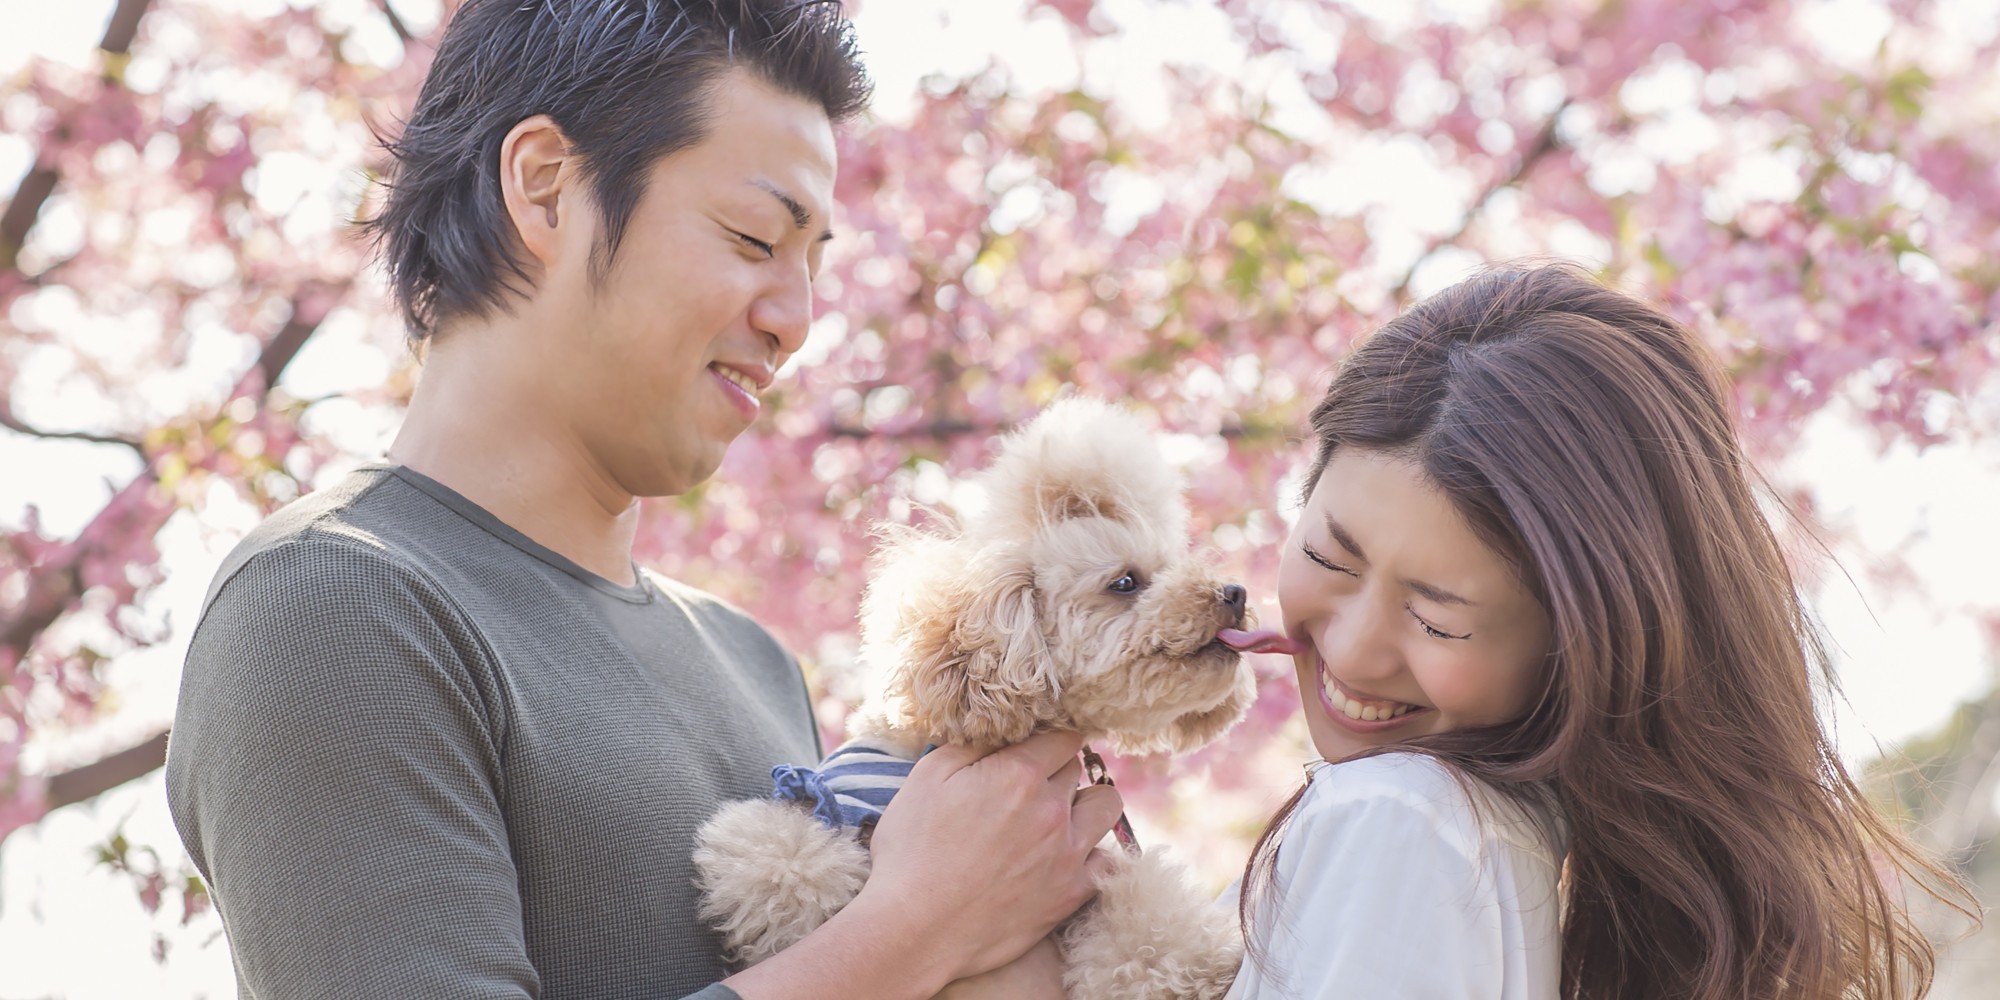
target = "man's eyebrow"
x: 1438, y: 594
x: 800, y: 216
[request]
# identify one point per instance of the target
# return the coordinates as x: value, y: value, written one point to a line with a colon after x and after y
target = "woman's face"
x: 1410, y: 624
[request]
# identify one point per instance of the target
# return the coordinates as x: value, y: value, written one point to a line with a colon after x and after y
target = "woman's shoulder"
x: 1462, y: 810
x: 1396, y: 876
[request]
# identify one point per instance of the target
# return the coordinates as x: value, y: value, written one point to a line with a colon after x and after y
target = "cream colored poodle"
x: 1071, y: 602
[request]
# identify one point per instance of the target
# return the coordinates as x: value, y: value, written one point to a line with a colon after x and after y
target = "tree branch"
x: 309, y: 309
x: 1545, y: 143
x: 54, y: 588
x: 396, y: 21
x: 124, y: 26
x: 936, y: 429
x: 13, y: 423
x: 34, y: 190
x: 948, y: 428
x: 100, y: 776
x: 22, y: 211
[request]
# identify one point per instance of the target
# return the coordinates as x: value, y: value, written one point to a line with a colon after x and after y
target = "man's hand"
x: 977, y: 858
x: 1036, y: 975
x: 989, y: 853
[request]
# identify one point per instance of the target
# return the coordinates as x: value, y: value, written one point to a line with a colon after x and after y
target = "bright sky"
x: 67, y: 930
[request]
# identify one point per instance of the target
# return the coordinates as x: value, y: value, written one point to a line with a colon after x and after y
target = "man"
x: 437, y: 737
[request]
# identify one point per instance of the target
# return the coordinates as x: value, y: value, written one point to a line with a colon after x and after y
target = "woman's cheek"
x: 1443, y: 680
x: 1471, y: 691
x: 1292, y: 596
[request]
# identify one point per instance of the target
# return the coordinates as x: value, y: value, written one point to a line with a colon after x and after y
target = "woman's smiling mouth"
x: 1368, y: 715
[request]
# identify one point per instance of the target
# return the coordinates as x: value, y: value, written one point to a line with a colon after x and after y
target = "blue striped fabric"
x: 851, y: 786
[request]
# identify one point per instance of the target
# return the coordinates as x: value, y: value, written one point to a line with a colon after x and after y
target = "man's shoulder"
x: 337, y: 504
x: 313, y: 605
x: 353, y: 531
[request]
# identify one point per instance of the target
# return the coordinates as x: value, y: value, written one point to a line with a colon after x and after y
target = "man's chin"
x: 669, y: 477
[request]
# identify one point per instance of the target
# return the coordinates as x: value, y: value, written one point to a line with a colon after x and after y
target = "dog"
x: 1073, y: 602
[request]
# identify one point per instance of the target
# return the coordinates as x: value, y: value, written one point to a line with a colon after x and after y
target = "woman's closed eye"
x: 1314, y: 555
x: 756, y: 244
x: 1432, y: 630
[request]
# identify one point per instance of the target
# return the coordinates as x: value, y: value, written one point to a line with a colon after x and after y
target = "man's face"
x: 660, y: 364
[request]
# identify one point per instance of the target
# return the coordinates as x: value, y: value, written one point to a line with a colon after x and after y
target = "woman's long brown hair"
x: 1717, y: 846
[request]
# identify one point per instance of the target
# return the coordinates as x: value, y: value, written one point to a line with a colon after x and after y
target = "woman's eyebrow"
x: 1341, y: 536
x: 1438, y: 594
x: 1435, y: 593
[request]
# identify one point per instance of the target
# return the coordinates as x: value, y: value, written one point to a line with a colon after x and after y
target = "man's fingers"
x: 1099, y: 863
x: 942, y: 763
x: 1095, y: 812
x: 1047, y: 752
x: 1070, y: 776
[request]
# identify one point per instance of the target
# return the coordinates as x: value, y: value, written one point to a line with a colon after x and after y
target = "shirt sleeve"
x: 335, y: 773
x: 1374, y: 900
x: 716, y: 992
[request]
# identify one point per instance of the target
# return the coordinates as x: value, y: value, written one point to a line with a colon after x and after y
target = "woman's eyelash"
x: 1324, y: 561
x: 759, y: 245
x: 1434, y: 633
x: 1431, y: 631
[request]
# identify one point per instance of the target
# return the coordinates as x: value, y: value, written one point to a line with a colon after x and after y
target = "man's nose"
x: 784, y: 314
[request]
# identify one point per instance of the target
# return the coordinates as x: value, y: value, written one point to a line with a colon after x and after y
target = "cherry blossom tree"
x: 1822, y: 204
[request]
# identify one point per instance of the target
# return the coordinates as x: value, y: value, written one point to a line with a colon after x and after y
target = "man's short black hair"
x: 628, y: 81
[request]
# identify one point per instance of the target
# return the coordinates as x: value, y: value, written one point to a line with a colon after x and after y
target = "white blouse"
x: 1390, y: 886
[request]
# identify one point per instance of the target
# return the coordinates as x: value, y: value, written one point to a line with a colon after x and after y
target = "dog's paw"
x: 770, y: 873
x: 1150, y: 936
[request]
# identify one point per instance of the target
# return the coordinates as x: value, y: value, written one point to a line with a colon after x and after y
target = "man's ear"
x: 539, y: 184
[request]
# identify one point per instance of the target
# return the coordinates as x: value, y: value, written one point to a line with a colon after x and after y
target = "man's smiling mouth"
x: 740, y: 380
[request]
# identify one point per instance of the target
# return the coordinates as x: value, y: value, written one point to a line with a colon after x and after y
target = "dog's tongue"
x: 1260, y: 641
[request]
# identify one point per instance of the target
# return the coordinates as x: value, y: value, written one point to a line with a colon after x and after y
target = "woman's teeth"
x: 1359, y: 711
x: 742, y: 381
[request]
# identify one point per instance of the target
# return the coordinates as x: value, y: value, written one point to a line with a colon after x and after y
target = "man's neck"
x: 473, y: 425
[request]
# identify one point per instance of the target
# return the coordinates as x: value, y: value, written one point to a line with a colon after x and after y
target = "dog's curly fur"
x: 1004, y: 624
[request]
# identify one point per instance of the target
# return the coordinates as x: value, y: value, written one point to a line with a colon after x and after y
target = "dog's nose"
x: 1234, y: 596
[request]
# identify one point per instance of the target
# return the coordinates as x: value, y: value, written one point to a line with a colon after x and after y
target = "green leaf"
x: 1905, y: 91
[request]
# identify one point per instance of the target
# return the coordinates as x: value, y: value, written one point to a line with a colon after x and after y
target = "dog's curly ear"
x: 971, y: 664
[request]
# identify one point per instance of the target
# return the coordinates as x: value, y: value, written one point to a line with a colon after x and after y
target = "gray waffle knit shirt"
x: 419, y: 755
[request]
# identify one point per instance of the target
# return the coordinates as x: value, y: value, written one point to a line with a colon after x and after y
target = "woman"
x: 1557, y: 664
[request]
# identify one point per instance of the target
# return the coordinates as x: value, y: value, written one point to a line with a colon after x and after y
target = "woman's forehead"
x: 1384, y: 510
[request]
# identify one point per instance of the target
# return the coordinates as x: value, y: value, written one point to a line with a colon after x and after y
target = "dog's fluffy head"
x: 1072, y: 601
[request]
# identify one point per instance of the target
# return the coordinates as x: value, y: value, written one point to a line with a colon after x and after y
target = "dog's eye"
x: 1124, y: 584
